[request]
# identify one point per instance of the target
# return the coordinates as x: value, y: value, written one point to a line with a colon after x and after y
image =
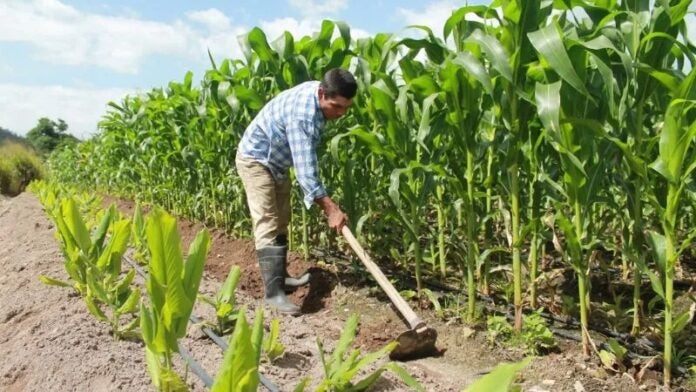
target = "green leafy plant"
x: 94, y: 264
x: 104, y: 280
x: 613, y: 356
x: 141, y: 253
x: 172, y: 286
x: 239, y: 370
x: 340, y: 368
x: 272, y: 347
x: 77, y: 246
x: 534, y: 337
x: 225, y: 301
x: 499, y: 379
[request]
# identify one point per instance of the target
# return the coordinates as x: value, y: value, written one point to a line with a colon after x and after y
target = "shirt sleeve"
x: 303, y: 139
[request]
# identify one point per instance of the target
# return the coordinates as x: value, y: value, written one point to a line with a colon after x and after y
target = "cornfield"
x: 528, y: 134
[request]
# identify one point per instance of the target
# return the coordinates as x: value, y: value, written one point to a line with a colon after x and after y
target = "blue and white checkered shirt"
x: 287, y: 131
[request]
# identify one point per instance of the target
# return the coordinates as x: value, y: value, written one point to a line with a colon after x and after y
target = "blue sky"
x: 68, y: 58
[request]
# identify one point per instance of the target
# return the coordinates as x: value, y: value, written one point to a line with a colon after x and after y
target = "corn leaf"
x: 549, y: 43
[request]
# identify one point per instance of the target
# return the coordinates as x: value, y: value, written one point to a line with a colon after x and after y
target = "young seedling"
x: 225, y: 301
x: 534, y: 337
x: 240, y: 368
x: 272, y: 347
x: 104, y: 280
x: 340, y: 368
x: 172, y: 286
x: 141, y: 253
x: 95, y: 264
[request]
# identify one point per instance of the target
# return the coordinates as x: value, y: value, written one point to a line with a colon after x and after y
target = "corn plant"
x: 225, y: 301
x: 172, y: 286
x: 675, y: 163
x: 510, y: 53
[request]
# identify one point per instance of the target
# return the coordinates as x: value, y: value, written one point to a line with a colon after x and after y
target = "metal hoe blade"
x: 415, y: 343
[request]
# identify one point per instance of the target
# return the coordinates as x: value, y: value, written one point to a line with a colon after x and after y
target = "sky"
x: 68, y: 58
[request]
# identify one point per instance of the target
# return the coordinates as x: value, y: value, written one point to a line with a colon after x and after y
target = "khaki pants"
x: 268, y: 200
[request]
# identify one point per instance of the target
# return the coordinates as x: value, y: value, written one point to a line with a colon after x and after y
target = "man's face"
x: 333, y: 107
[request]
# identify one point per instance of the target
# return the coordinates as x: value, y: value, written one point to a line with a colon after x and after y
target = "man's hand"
x: 335, y: 217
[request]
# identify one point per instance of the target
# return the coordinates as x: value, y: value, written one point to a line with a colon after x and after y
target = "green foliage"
x: 10, y: 137
x: 452, y: 152
x: 18, y: 167
x: 239, y: 370
x: 613, y: 356
x: 141, y: 252
x: 225, y: 302
x: 272, y: 347
x: 172, y: 286
x: 341, y: 367
x: 499, y: 379
x: 48, y: 135
x: 94, y: 262
x: 535, y: 336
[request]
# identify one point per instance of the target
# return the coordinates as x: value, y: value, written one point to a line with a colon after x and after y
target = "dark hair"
x: 338, y: 81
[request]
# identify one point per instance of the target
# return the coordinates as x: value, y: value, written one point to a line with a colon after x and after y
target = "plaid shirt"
x: 287, y: 131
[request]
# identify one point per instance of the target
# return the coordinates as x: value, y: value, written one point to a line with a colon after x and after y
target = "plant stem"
x: 441, y: 226
x: 582, y: 282
x: 516, y: 259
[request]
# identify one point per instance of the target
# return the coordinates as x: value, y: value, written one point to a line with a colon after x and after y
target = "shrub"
x: 18, y: 167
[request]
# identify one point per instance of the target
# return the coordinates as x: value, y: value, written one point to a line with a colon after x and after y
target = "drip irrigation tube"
x: 638, y: 345
x: 195, y: 366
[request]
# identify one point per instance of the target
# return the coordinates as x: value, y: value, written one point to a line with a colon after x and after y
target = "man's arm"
x: 301, y: 141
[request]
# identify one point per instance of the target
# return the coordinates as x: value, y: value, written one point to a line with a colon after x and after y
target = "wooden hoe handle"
x: 413, y: 320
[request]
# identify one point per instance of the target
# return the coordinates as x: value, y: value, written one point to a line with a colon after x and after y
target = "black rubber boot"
x: 272, y: 265
x: 290, y: 282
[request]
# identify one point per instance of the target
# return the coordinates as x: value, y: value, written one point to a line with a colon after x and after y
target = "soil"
x: 49, y: 341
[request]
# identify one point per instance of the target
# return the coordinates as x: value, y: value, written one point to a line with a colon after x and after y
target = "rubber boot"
x: 290, y: 282
x: 272, y: 270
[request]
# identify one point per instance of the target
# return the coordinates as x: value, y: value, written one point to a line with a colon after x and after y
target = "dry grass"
x: 19, y: 165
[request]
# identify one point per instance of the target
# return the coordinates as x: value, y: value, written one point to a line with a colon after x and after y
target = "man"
x: 285, y: 134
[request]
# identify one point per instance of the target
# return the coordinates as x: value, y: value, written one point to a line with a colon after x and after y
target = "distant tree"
x: 47, y: 135
x: 8, y: 136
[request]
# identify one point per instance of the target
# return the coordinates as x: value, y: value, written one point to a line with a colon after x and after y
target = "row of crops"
x: 95, y: 242
x: 529, y: 131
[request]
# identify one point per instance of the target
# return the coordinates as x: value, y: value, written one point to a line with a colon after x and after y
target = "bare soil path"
x: 49, y: 341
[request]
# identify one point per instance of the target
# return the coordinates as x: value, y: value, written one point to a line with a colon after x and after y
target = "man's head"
x: 336, y: 92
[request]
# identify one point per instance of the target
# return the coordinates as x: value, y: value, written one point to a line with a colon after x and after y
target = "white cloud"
x: 61, y: 34
x: 300, y: 28
x: 212, y: 18
x: 434, y: 15
x: 690, y: 21
x: 316, y: 8
x: 81, y: 108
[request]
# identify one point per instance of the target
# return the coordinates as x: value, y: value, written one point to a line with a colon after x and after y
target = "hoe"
x: 417, y: 342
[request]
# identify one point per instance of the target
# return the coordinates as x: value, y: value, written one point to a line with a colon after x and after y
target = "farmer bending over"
x: 285, y: 133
